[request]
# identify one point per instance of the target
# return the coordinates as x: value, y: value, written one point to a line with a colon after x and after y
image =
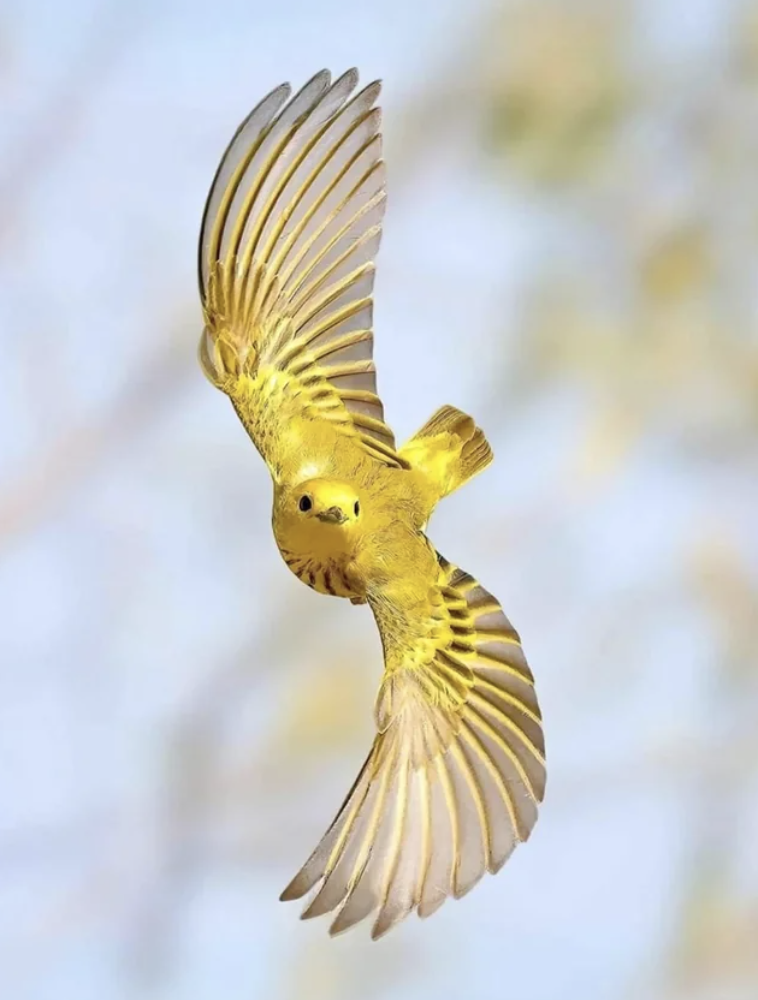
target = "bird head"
x: 319, y: 515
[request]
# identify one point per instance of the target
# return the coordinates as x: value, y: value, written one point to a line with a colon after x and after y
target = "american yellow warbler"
x: 287, y: 246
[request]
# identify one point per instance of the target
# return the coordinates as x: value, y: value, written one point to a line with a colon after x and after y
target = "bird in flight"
x: 288, y: 241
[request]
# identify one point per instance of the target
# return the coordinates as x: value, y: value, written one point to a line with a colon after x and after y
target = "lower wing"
x: 455, y: 774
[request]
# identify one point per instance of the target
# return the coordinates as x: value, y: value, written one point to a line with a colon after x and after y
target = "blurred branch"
x: 79, y: 452
x: 539, y: 86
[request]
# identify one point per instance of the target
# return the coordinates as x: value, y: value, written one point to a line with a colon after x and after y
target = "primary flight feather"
x: 289, y: 236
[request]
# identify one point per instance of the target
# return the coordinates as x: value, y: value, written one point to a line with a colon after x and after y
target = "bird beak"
x: 334, y: 515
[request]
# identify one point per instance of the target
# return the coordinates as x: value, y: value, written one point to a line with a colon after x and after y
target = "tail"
x: 449, y: 449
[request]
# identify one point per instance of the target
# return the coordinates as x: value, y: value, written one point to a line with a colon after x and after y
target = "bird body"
x: 286, y: 264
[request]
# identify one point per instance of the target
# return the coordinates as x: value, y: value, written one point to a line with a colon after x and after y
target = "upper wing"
x: 456, y: 772
x: 290, y: 231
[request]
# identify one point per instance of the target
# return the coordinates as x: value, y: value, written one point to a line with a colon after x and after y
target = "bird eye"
x: 305, y: 503
x: 357, y: 508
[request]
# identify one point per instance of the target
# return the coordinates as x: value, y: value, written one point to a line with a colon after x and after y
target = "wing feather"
x: 290, y: 233
x: 456, y: 772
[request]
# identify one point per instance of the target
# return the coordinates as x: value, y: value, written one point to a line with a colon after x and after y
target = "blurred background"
x: 571, y: 255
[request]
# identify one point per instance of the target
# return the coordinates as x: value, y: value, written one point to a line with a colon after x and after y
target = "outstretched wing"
x: 456, y: 772
x: 291, y: 228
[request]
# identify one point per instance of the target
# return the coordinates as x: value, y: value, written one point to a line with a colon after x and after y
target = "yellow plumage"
x: 286, y: 263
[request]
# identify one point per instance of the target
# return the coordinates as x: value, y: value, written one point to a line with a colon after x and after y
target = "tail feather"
x: 449, y: 449
x: 447, y: 420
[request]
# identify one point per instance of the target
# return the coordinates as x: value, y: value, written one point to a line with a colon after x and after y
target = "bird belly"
x: 325, y: 576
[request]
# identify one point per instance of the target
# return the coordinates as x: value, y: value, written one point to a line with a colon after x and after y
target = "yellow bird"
x: 286, y: 265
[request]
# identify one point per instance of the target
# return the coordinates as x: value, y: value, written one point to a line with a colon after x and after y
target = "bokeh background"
x: 570, y: 254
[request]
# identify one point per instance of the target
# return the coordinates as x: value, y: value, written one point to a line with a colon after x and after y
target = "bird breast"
x: 327, y: 576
